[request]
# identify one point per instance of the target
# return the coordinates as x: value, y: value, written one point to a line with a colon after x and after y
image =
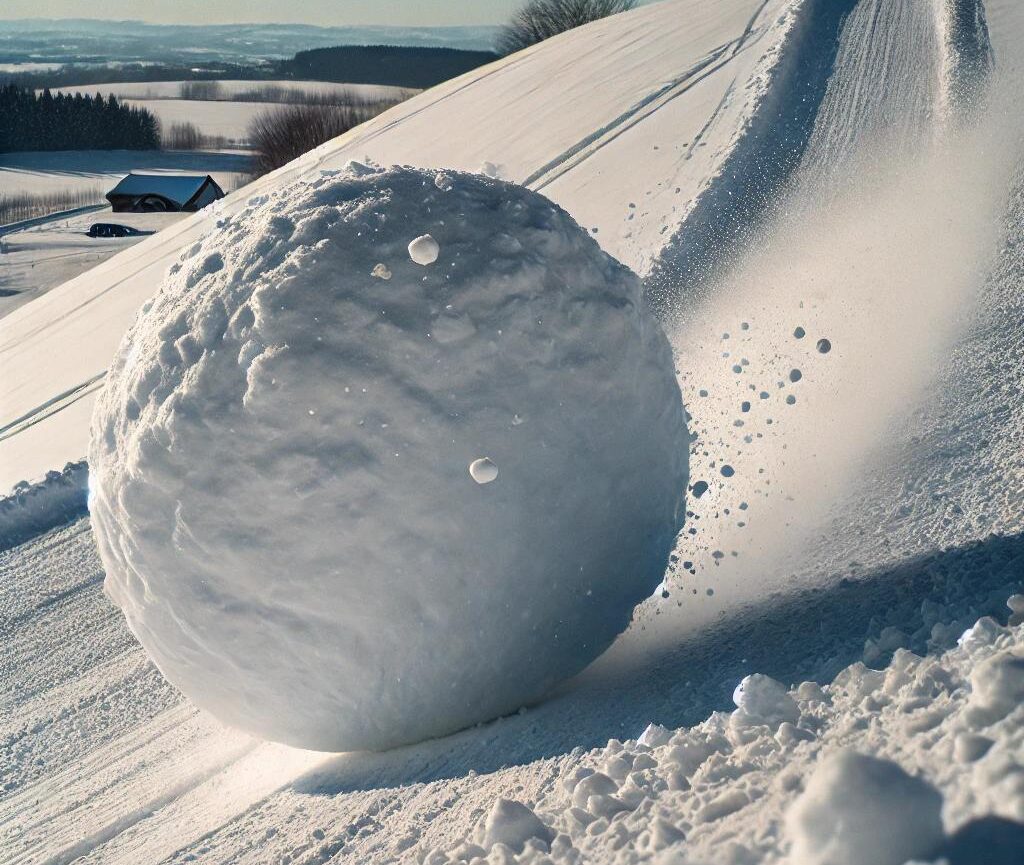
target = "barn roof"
x: 179, y: 188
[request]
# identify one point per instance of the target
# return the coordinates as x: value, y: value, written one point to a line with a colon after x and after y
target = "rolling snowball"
x: 279, y: 456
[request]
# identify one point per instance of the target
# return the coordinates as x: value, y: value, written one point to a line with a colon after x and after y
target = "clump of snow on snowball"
x: 861, y: 810
x: 281, y: 459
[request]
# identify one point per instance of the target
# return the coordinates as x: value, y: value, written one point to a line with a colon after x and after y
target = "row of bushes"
x: 22, y: 205
x: 44, y: 121
x: 280, y: 135
x: 213, y: 91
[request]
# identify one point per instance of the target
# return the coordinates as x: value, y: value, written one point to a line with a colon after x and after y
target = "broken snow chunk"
x: 860, y: 810
x: 762, y: 701
x: 1016, y: 605
x: 513, y: 824
x: 654, y: 736
x: 424, y: 250
x: 997, y: 686
x: 597, y: 784
x: 381, y: 271
x: 443, y: 181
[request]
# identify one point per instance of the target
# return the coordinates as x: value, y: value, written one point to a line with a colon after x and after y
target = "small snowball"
x: 824, y: 346
x: 513, y: 824
x: 799, y: 333
x: 483, y: 470
x: 790, y: 400
x: 860, y: 810
x: 424, y: 250
x: 380, y: 271
x: 727, y: 471
x: 699, y: 489
x: 795, y: 375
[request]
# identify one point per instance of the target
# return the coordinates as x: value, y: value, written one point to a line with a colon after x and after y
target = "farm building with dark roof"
x: 147, y: 193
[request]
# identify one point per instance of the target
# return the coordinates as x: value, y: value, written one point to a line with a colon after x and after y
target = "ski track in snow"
x: 101, y: 761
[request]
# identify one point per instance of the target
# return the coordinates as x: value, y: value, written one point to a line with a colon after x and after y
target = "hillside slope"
x: 645, y: 111
x: 872, y: 522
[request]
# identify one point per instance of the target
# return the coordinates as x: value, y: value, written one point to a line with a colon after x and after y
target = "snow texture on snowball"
x: 279, y: 459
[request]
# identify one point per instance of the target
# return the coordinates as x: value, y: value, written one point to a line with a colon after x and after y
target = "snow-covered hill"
x: 799, y: 170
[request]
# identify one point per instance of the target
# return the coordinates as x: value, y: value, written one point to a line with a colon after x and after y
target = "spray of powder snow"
x: 883, y: 266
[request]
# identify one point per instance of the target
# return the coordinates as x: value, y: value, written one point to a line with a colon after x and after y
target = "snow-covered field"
x: 150, y: 90
x: 35, y: 259
x: 62, y: 170
x: 225, y: 117
x: 781, y: 173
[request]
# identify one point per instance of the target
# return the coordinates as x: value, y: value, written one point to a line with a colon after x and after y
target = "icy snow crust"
x: 280, y: 465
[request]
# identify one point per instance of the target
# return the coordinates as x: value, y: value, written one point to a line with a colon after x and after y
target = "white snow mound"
x: 281, y: 462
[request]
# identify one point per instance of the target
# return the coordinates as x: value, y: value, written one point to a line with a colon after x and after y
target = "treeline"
x: 385, y: 64
x: 72, y: 75
x: 45, y: 121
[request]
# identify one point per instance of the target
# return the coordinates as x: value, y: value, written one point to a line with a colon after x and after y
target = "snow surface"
x: 35, y: 259
x: 880, y: 562
x: 377, y: 595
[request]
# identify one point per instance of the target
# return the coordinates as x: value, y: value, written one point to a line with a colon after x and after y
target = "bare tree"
x: 541, y: 19
x: 282, y: 134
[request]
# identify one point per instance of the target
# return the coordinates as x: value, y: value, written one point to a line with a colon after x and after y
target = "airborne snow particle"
x: 799, y: 333
x: 727, y: 471
x: 824, y: 346
x: 483, y: 470
x: 424, y: 250
x: 380, y: 271
x: 795, y: 375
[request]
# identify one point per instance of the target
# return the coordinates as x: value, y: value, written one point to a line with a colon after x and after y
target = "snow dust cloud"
x: 800, y: 364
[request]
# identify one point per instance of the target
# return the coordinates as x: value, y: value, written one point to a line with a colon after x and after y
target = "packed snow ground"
x: 36, y: 259
x: 917, y: 538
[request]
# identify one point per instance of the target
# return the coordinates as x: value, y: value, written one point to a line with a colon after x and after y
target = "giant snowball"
x: 388, y: 454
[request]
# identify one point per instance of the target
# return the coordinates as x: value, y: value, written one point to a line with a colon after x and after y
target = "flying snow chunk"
x: 279, y: 460
x: 424, y: 250
x: 483, y: 471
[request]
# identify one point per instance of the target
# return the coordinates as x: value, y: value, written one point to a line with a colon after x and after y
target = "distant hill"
x: 401, y: 66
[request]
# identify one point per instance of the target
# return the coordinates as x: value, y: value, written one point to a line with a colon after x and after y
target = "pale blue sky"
x: 322, y: 12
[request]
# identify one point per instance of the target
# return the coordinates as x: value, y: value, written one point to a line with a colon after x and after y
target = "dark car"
x: 111, y: 229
